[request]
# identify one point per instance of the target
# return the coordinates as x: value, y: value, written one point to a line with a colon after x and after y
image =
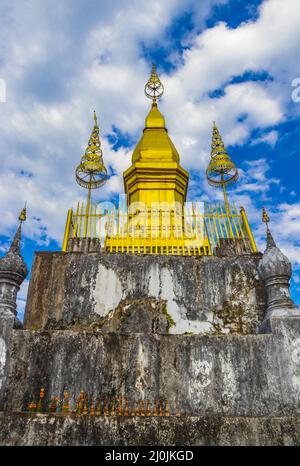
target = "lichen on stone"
x: 171, y: 322
x: 232, y: 319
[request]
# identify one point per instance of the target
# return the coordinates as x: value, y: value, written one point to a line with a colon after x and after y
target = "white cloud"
x: 268, y: 138
x: 60, y: 63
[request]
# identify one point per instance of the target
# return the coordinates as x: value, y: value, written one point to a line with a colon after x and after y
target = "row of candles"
x: 119, y: 406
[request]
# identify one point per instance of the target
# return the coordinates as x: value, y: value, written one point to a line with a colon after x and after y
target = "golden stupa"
x: 156, y: 218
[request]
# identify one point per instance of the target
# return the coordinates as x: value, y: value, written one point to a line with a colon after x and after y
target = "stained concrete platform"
x: 58, y: 429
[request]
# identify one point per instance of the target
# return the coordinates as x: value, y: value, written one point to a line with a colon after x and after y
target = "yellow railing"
x: 197, y: 231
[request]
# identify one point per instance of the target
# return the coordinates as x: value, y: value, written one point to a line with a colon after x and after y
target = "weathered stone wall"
x: 231, y: 375
x: 151, y: 327
x: 7, y: 320
x: 202, y: 294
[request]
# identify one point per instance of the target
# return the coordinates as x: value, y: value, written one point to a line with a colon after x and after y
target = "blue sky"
x: 230, y: 61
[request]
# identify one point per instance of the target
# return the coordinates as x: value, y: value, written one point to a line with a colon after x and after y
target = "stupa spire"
x: 155, y: 144
x: 221, y: 171
x: 16, y: 243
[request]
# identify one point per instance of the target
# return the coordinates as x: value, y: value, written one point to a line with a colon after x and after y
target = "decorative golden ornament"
x: 154, y: 88
x: 265, y: 216
x: 91, y: 172
x: 221, y: 171
x: 22, y: 216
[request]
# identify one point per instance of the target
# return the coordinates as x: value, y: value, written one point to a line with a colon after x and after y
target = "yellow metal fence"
x: 197, y: 231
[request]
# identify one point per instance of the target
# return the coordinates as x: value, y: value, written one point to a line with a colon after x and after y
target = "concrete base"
x: 58, y: 429
x: 229, y: 375
x: 201, y: 293
x: 270, y: 320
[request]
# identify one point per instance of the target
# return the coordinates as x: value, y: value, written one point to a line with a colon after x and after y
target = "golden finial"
x: 221, y: 170
x: 265, y: 216
x: 270, y: 240
x: 154, y: 88
x: 22, y: 216
x: 95, y: 118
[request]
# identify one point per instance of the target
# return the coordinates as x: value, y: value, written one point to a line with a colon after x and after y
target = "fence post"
x: 248, y: 229
x: 67, y: 230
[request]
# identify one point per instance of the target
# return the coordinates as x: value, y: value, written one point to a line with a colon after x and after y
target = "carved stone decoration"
x: 275, y: 269
x: 13, y: 271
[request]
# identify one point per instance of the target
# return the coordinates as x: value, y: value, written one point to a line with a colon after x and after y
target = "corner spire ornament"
x: 221, y: 171
x: 15, y: 246
x: 13, y: 271
x: 275, y: 270
x: 154, y: 88
x: 270, y: 240
x: 91, y: 172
